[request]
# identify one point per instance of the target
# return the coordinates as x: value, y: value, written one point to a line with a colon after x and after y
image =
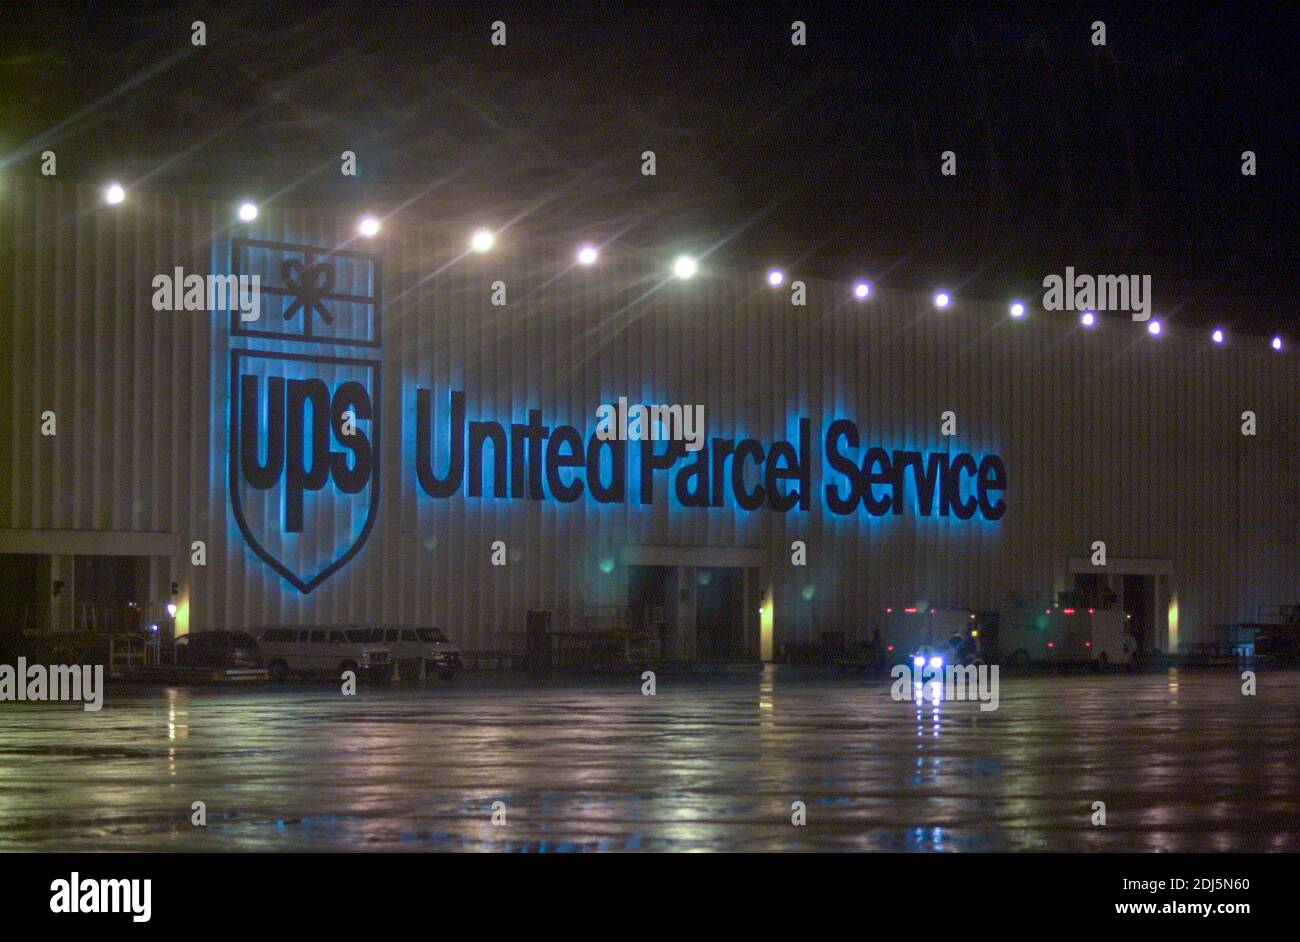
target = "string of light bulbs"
x: 685, y: 267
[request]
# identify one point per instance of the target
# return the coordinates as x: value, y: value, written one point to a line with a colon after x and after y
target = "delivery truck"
x: 912, y: 629
x: 1093, y: 637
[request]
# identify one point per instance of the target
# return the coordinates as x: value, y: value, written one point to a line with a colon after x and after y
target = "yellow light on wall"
x: 1173, y: 624
x: 765, y: 619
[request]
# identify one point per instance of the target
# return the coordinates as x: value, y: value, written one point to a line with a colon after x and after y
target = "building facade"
x: 407, y: 432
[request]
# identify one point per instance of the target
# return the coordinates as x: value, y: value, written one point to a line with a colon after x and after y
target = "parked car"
x: 428, y: 644
x: 228, y: 650
x: 316, y: 650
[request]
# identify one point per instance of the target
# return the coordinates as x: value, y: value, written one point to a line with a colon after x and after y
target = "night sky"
x: 1122, y: 159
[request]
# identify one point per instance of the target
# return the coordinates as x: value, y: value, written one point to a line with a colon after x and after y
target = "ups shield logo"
x: 305, y: 426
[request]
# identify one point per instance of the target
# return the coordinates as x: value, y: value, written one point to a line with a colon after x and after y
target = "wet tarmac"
x: 1182, y: 760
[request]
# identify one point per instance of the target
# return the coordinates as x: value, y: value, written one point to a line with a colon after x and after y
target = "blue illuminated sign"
x: 305, y: 439
x: 535, y: 461
x: 298, y: 424
x: 304, y: 427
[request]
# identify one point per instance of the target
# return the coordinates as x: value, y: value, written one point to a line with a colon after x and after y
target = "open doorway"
x: 111, y: 592
x: 711, y: 597
x: 24, y: 591
x: 720, y: 613
x: 1142, y: 588
x: 651, y: 602
x: 1138, y: 598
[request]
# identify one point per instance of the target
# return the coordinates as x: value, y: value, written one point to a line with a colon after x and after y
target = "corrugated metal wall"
x: 1106, y: 434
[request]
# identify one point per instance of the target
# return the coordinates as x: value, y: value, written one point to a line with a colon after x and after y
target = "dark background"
x: 824, y: 159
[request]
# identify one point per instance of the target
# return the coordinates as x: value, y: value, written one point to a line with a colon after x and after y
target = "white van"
x: 323, y: 650
x: 410, y: 642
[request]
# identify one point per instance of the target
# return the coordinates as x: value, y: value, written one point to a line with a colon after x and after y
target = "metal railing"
x: 1278, y: 614
x: 126, y: 652
x: 89, y: 617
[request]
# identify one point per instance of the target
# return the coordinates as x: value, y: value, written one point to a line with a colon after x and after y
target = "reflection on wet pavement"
x: 1182, y: 762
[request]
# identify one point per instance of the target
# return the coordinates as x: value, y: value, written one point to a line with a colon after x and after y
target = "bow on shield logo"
x: 308, y: 283
x: 304, y: 425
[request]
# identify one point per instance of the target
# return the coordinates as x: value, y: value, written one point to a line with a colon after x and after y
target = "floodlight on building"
x: 861, y: 290
x: 685, y: 267
x: 1153, y: 328
x: 1217, y: 336
x: 587, y: 255
x: 482, y: 241
x: 368, y: 227
x: 942, y: 300
x: 775, y: 278
x: 1088, y: 319
x: 114, y: 194
x: 1017, y: 310
x: 247, y: 212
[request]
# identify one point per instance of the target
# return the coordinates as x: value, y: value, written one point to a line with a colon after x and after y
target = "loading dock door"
x: 720, y: 615
x: 1142, y: 587
x: 24, y: 591
x: 717, y: 597
x: 652, y: 601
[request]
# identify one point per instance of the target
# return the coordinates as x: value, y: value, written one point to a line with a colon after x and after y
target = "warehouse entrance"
x: 720, y: 613
x: 1138, y: 594
x: 111, y: 591
x: 702, y: 601
x: 24, y: 588
x: 719, y: 622
x: 1143, y: 589
x: 48, y: 592
x: 652, y: 602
